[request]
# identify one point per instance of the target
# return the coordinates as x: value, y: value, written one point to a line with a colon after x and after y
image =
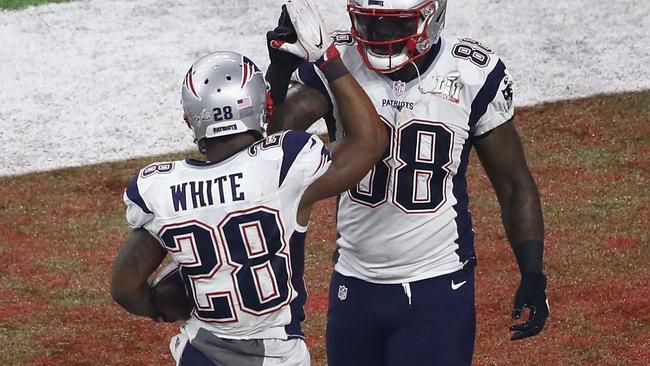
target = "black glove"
x: 283, y: 64
x: 531, y: 294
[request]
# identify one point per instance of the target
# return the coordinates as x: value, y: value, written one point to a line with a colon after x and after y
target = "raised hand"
x: 309, y: 38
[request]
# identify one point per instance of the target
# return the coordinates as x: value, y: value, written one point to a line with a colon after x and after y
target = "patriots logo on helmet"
x: 212, y: 93
x: 249, y: 69
x: 189, y: 83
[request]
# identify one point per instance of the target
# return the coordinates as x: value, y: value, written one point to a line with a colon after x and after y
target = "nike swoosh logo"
x: 320, y: 33
x: 455, y: 286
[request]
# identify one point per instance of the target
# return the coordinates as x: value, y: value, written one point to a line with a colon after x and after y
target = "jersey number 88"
x: 422, y: 152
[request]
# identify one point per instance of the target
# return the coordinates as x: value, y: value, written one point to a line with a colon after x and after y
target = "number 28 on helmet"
x: 225, y: 93
x: 392, y: 33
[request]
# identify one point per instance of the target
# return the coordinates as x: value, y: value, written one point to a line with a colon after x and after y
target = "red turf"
x: 60, y: 230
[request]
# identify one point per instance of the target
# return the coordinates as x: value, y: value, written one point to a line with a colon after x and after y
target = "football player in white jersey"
x: 402, y: 291
x: 235, y: 224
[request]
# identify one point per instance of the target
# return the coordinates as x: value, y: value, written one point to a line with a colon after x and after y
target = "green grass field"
x: 20, y: 4
x: 60, y: 230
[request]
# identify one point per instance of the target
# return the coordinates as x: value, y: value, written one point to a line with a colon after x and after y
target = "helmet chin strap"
x: 417, y: 70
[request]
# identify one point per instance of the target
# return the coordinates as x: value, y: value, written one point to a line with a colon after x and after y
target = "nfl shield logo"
x: 399, y: 88
x: 343, y: 292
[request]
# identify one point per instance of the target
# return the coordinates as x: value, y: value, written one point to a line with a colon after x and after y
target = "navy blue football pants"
x: 194, y: 357
x: 374, y: 325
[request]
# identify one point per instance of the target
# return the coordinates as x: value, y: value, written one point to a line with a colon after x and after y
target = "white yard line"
x: 93, y: 81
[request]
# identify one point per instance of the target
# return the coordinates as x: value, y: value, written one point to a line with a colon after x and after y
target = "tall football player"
x: 402, y: 292
x: 235, y: 224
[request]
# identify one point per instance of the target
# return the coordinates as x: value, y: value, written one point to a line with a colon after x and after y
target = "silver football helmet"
x: 392, y: 33
x: 224, y: 93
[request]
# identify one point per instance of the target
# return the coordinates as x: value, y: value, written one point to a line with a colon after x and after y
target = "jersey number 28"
x: 253, y: 247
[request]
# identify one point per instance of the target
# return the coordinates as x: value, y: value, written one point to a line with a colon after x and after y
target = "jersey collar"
x: 201, y: 163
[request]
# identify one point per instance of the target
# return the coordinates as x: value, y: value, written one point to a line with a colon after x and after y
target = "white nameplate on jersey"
x: 343, y: 292
x: 195, y: 194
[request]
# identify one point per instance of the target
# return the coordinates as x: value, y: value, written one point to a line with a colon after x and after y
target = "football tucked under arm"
x: 169, y: 296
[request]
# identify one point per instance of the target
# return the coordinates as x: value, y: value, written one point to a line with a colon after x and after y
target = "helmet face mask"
x: 391, y: 34
x: 224, y: 93
x: 385, y: 35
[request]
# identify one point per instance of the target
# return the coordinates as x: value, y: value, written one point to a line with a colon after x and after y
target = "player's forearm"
x: 277, y: 122
x: 522, y: 217
x: 137, y: 302
x: 302, y: 107
x: 136, y: 260
x: 362, y: 127
x: 364, y: 139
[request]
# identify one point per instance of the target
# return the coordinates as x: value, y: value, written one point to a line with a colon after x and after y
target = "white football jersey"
x: 231, y: 228
x: 408, y: 219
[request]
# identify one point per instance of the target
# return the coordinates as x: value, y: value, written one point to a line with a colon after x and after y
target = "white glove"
x: 313, y: 37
